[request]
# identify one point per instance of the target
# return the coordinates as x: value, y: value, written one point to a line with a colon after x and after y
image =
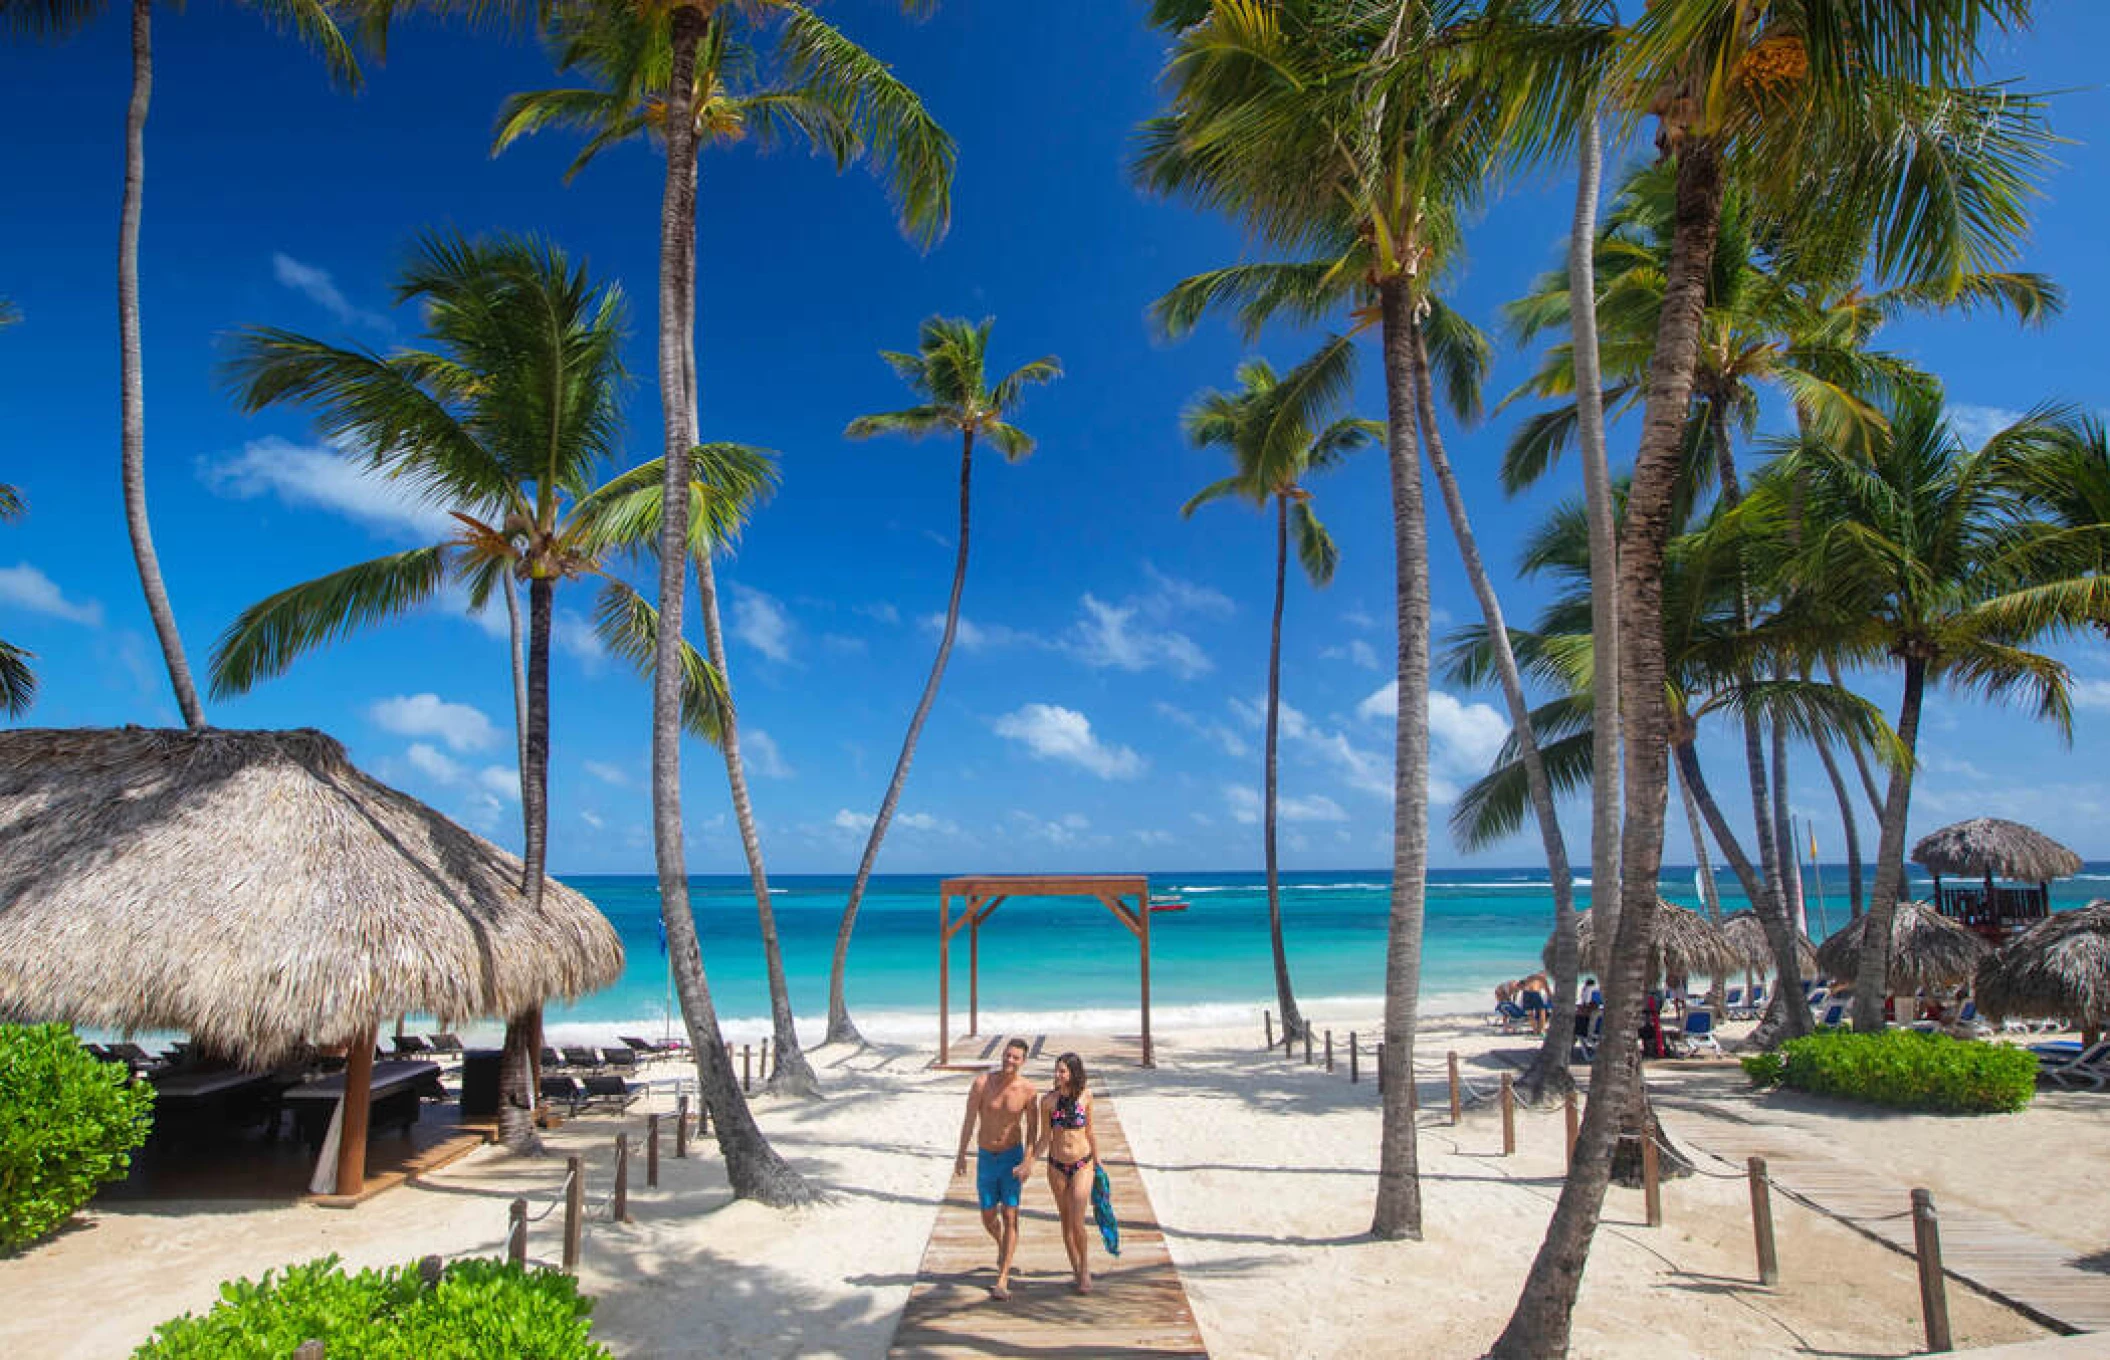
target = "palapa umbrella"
x: 1992, y: 848
x: 259, y: 891
x: 1747, y: 935
x: 1927, y: 949
x: 2059, y: 968
x: 1687, y: 944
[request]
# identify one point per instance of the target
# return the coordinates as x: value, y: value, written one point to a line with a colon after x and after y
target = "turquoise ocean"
x: 1052, y: 963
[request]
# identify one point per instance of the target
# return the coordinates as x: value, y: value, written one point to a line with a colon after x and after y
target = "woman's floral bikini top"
x: 1068, y: 1115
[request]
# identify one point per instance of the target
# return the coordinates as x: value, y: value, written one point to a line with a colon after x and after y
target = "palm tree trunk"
x: 514, y: 654
x: 519, y: 1068
x: 1398, y: 1212
x: 1688, y: 761
x: 1548, y: 1072
x: 132, y: 416
x: 1847, y: 824
x: 1604, y: 542
x: 840, y: 1028
x: 1784, y: 833
x: 1293, y: 1026
x: 1539, y: 1327
x: 753, y: 1167
x: 1872, y: 980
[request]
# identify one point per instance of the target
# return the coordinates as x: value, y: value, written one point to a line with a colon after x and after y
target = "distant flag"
x: 1813, y: 842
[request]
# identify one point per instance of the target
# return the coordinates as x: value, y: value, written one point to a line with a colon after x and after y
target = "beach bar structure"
x: 1127, y: 896
x: 258, y: 891
x: 1967, y: 858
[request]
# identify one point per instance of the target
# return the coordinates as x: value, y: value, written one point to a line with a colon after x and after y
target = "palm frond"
x: 18, y: 683
x: 628, y: 626
x: 1316, y: 551
x: 267, y: 636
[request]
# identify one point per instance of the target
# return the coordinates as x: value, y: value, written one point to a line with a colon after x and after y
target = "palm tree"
x: 1825, y: 107
x: 18, y: 683
x: 949, y: 372
x: 1271, y: 429
x: 1916, y: 552
x: 821, y: 87
x: 504, y: 419
x: 315, y: 23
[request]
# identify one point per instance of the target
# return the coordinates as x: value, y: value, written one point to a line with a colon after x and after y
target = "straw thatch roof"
x: 2058, y: 969
x: 1927, y: 949
x: 1687, y: 944
x: 1988, y: 844
x: 1747, y: 935
x: 258, y: 891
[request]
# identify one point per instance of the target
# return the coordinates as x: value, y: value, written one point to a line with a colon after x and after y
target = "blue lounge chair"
x: 1698, y: 1034
x: 1834, y: 1015
x: 2068, y: 1064
x: 1508, y: 1014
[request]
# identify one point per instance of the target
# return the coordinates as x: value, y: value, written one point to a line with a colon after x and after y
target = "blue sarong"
x: 1103, y: 1211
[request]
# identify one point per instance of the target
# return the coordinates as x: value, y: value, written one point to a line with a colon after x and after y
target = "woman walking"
x: 1071, y: 1150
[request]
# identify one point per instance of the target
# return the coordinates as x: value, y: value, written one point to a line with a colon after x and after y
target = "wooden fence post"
x: 1934, y: 1294
x: 1355, y: 1073
x: 516, y: 1233
x: 574, y: 1212
x: 652, y: 1151
x: 1509, y: 1115
x: 1267, y: 1022
x: 1329, y: 1050
x: 1762, y: 1221
x: 765, y: 1062
x: 747, y: 1069
x: 1651, y: 1180
x: 681, y: 1126
x: 309, y: 1350
x: 1574, y: 1117
x: 619, y: 1207
x: 1457, y: 1096
x: 1381, y: 1067
x: 1307, y: 1045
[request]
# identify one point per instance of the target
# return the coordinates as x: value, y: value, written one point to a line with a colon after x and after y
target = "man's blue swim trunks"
x: 993, y: 1176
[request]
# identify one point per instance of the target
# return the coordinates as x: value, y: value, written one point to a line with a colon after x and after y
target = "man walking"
x: 1000, y: 1116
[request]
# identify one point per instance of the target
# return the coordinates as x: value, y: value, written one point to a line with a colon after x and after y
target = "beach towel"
x: 1103, y: 1211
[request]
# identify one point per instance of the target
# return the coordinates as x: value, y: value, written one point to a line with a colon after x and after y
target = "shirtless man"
x: 1002, y: 1104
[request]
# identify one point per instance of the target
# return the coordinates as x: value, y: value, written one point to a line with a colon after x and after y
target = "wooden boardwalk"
x: 1137, y: 1306
x: 2031, y: 1274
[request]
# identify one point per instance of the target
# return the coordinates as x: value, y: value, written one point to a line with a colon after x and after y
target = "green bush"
x: 476, y: 1309
x: 68, y: 1123
x: 1910, y: 1069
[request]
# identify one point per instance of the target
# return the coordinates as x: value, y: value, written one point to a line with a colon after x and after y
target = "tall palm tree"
x: 18, y: 683
x: 1915, y: 552
x: 815, y: 84
x: 1271, y: 428
x: 505, y: 418
x: 949, y: 372
x: 315, y: 23
x: 1827, y: 106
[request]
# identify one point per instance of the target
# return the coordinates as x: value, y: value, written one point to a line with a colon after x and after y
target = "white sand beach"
x: 1261, y: 1173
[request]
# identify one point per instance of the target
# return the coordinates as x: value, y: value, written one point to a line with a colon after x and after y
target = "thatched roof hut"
x: 1989, y: 846
x: 1687, y: 944
x: 1927, y: 949
x: 258, y: 891
x: 1747, y: 935
x: 2059, y: 968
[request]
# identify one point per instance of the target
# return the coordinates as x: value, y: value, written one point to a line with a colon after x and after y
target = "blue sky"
x: 1102, y: 710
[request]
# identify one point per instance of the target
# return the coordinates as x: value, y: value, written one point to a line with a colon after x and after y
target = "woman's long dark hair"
x: 1066, y: 1101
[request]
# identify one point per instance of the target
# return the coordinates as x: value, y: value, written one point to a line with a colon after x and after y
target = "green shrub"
x: 1910, y: 1069
x: 477, y: 1309
x: 1764, y: 1069
x: 68, y: 1123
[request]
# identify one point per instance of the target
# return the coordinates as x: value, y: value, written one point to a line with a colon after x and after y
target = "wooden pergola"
x: 1127, y: 896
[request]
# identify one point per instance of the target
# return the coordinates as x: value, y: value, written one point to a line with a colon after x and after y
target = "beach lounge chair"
x: 564, y: 1091
x: 582, y: 1055
x: 411, y: 1046
x: 446, y: 1043
x: 647, y: 1049
x: 2072, y: 1065
x: 134, y: 1057
x: 1509, y: 1015
x: 552, y: 1060
x: 1698, y: 1034
x: 1587, y: 1036
x: 611, y: 1090
x: 621, y: 1060
x: 1834, y: 1014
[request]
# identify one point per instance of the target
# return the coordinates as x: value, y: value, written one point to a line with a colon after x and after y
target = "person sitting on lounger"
x: 1072, y: 1152
x: 1000, y: 1117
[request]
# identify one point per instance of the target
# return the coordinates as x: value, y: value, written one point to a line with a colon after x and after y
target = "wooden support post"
x: 574, y: 1212
x: 1457, y: 1096
x: 310, y: 1349
x: 1329, y: 1050
x: 974, y: 970
x: 681, y: 1126
x: 1381, y: 1067
x: 747, y: 1069
x: 516, y: 1233
x: 1934, y: 1293
x: 1267, y: 1024
x: 1289, y: 1043
x: 944, y: 981
x: 1355, y: 1073
x: 652, y: 1151
x: 1762, y: 1221
x: 619, y: 1206
x: 1574, y: 1114
x: 1651, y: 1176
x: 765, y: 1062
x: 1150, y: 1056
x: 1509, y: 1115
x: 1307, y: 1045
x: 358, y: 1099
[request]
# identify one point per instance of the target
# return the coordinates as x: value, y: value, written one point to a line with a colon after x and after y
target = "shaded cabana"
x: 2057, y: 969
x: 1127, y: 896
x: 1928, y: 951
x: 1687, y: 944
x: 1984, y: 849
x: 258, y: 891
x: 1747, y: 935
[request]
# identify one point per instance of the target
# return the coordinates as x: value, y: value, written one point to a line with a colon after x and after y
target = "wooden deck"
x: 1137, y: 1306
x: 2031, y: 1274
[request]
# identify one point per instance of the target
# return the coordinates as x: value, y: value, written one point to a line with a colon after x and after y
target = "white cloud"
x: 25, y: 587
x: 500, y: 781
x: 1976, y: 424
x: 323, y: 479
x: 592, y: 819
x: 1233, y: 745
x: 610, y: 774
x: 1153, y: 837
x: 1055, y: 832
x: 1107, y: 635
x: 1365, y: 771
x: 1357, y: 652
x: 762, y: 623
x: 1246, y: 806
x: 762, y: 754
x: 460, y: 726
x: 573, y: 634
x: 846, y: 820
x: 1052, y: 732
x: 970, y: 636
x: 1464, y: 738
x: 924, y: 821
x: 1382, y: 705
x: 2091, y: 693
x: 428, y: 761
x: 318, y: 287
x: 881, y: 612
x: 1171, y: 595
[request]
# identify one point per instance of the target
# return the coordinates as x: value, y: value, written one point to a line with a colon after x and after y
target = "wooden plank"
x: 1137, y: 1306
